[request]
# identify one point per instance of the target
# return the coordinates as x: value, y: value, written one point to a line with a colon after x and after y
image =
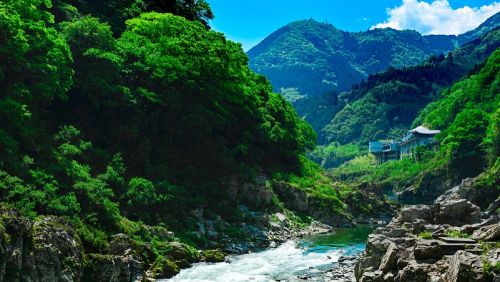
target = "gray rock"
x: 414, y: 272
x: 465, y: 267
x: 470, y: 228
x: 487, y: 233
x: 388, y: 277
x: 282, y: 219
x: 457, y: 212
x: 414, y: 212
x: 492, y: 209
x: 390, y: 259
x: 114, y: 268
x: 427, y: 249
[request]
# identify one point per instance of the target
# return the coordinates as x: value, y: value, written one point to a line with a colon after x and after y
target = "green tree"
x: 34, y: 68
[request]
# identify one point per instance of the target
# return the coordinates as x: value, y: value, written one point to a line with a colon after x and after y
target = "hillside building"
x: 405, y: 147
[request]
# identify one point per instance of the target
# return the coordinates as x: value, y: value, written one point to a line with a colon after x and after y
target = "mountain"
x: 308, y: 58
x: 490, y: 24
x: 387, y: 103
x: 315, y: 57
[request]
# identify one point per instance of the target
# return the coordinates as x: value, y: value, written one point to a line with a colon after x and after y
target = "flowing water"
x: 284, y: 263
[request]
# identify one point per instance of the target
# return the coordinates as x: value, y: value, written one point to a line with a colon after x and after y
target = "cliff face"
x: 450, y: 240
x: 48, y: 249
x: 42, y: 250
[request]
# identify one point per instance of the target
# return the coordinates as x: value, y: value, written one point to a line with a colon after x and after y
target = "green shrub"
x: 456, y: 234
x: 425, y: 235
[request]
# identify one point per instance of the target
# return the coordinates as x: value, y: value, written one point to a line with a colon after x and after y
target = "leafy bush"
x: 425, y: 235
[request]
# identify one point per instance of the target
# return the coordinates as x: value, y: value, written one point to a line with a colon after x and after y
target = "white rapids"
x: 285, y: 263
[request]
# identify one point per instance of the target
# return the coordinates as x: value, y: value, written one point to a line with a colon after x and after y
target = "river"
x: 310, y: 256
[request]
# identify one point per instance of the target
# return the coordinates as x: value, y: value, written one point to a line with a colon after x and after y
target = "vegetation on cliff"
x: 467, y: 114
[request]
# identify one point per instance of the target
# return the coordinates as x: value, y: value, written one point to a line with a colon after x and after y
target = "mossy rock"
x: 179, y: 251
x: 93, y: 266
x: 163, y: 268
x: 213, y: 256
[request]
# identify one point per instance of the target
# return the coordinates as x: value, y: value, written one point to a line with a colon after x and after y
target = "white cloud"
x: 437, y: 17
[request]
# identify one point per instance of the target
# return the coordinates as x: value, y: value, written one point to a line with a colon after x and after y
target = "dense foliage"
x: 113, y: 129
x: 116, y: 12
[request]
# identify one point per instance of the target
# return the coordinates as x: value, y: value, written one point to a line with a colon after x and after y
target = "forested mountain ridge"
x: 385, y: 105
x: 388, y: 102
x: 314, y: 58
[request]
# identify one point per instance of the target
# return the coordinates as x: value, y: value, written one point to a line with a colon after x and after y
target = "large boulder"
x: 414, y: 212
x: 14, y: 240
x: 213, y: 256
x: 457, y: 212
x: 427, y: 249
x: 413, y: 271
x: 163, y: 268
x: 390, y: 259
x: 465, y: 267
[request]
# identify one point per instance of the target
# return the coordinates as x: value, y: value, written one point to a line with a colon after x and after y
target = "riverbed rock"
x: 43, y: 250
x: 126, y: 268
x: 413, y: 271
x: 163, y: 268
x: 465, y: 267
x: 57, y: 253
x: 390, y: 259
x: 181, y: 252
x: 427, y: 249
x: 213, y: 256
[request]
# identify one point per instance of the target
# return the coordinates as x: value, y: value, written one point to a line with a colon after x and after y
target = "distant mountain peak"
x: 316, y: 57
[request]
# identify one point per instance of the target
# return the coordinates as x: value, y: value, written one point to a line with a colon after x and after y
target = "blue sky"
x: 248, y: 22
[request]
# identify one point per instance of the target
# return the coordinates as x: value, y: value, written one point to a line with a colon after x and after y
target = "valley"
x: 139, y: 143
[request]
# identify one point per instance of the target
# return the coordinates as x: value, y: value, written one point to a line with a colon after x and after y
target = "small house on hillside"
x: 420, y: 136
x: 405, y: 147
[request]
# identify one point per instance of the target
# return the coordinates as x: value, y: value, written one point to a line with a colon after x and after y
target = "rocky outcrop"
x: 465, y: 266
x: 42, y: 250
x: 487, y: 233
x: 257, y: 194
x: 48, y: 250
x: 456, y: 212
x: 425, y: 243
x: 320, y: 208
x: 442, y: 187
x: 428, y: 186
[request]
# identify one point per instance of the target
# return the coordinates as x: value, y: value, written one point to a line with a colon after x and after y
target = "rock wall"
x: 41, y: 250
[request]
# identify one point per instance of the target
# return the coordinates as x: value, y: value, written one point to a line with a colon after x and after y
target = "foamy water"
x: 284, y: 263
